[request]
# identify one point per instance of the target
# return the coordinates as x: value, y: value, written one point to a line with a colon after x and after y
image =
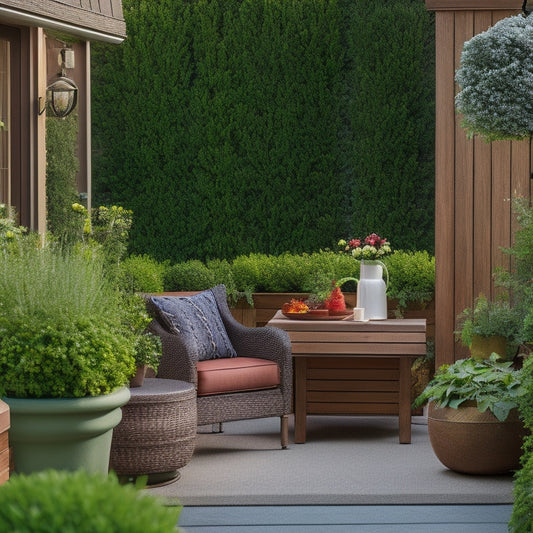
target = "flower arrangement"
x: 371, y: 247
x: 496, y: 80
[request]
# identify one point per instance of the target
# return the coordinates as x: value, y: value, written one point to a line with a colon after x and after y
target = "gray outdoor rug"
x: 345, y: 461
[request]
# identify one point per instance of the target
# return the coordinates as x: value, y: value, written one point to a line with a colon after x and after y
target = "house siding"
x: 104, y: 16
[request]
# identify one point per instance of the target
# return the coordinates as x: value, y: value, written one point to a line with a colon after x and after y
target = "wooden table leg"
x: 300, y: 402
x: 405, y: 400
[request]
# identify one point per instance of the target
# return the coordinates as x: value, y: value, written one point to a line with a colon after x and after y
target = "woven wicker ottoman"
x: 157, y: 433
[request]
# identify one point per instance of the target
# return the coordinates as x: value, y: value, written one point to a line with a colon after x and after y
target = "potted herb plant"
x: 488, y: 327
x: 147, y: 347
x: 473, y: 421
x: 65, y: 356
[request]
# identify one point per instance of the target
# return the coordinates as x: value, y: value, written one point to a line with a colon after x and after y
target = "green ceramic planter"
x: 64, y: 434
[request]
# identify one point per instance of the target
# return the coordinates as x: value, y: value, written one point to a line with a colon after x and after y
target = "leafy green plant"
x: 519, y: 280
x: 522, y: 515
x: 141, y: 273
x: 53, y: 501
x: 412, y: 274
x: 10, y: 233
x: 487, y: 318
x: 147, y: 347
x: 193, y: 275
x: 491, y: 383
x: 411, y: 277
x: 61, y: 168
x: 110, y: 228
x: 61, y: 326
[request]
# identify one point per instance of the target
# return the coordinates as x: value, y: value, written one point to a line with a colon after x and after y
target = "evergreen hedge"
x: 232, y: 127
x: 61, y: 168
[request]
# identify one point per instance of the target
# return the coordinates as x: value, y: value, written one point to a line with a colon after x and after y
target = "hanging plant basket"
x: 496, y: 80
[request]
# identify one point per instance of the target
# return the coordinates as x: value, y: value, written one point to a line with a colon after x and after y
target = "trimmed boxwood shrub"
x: 412, y: 277
x: 412, y: 274
x: 141, y: 273
x: 79, y: 502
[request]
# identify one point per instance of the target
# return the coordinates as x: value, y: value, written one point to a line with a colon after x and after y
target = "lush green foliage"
x: 61, y: 168
x: 266, y: 126
x: 61, y: 332
x: 10, y: 233
x: 487, y: 318
x: 192, y: 275
x: 496, y: 79
x: 411, y: 277
x: 412, y: 274
x: 147, y: 347
x: 491, y: 383
x: 520, y: 279
x: 141, y: 273
x: 522, y: 517
x: 79, y: 502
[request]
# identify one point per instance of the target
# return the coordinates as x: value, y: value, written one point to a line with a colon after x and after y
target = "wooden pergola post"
x: 474, y: 180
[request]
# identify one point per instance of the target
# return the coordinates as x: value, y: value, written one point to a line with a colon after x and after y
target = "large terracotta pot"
x: 470, y: 442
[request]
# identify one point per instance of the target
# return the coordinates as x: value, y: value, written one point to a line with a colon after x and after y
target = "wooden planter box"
x: 4, y: 442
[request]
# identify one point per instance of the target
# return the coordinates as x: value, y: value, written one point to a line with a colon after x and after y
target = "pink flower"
x: 354, y: 243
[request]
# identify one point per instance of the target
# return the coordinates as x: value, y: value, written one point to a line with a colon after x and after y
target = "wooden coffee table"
x: 342, y: 367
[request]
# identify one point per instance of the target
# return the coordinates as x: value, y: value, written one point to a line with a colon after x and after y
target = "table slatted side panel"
x: 353, y: 386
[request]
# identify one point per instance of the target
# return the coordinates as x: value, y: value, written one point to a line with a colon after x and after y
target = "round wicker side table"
x: 157, y: 433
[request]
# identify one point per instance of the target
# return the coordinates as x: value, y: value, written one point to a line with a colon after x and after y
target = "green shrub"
x: 141, y: 273
x: 147, y: 347
x: 61, y: 169
x: 79, y: 502
x: 61, y: 326
x: 519, y: 279
x: 412, y: 274
x: 11, y: 235
x: 522, y: 515
x: 488, y: 318
x: 192, y: 275
x: 411, y: 277
x: 223, y: 275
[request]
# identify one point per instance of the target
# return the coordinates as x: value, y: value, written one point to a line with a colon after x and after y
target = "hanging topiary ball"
x: 496, y: 80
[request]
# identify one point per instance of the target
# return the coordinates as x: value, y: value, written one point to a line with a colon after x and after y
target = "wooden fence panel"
x: 474, y: 180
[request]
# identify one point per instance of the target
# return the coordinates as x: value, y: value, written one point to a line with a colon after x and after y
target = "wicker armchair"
x: 273, y: 344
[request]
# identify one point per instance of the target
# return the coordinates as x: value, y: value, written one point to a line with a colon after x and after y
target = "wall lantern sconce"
x: 61, y: 97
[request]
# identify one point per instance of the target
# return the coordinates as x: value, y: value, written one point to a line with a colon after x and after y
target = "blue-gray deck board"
x: 347, y: 518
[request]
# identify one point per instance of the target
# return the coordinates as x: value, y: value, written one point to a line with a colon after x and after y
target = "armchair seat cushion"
x: 220, y: 376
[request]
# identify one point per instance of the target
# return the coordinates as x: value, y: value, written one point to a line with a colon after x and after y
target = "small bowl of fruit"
x: 331, y: 308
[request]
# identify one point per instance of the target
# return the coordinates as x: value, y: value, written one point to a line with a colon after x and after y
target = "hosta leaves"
x: 492, y: 383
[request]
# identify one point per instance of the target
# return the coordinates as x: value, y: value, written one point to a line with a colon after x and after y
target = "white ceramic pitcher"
x: 372, y: 289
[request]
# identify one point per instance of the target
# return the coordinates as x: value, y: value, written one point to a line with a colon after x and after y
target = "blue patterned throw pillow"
x: 196, y: 318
